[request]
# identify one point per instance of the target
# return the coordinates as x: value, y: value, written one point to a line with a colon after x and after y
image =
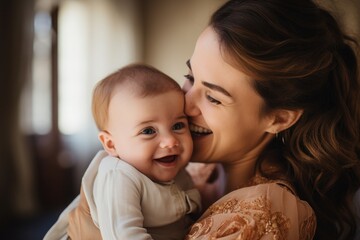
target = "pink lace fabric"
x: 265, y: 210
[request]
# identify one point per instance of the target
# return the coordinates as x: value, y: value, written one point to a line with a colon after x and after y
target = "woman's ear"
x: 108, y: 143
x: 283, y: 119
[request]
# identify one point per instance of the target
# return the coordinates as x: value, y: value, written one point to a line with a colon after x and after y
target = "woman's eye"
x: 148, y: 131
x: 212, y: 100
x: 190, y: 78
x: 178, y: 126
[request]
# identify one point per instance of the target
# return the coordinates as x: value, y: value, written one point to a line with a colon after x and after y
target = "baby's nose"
x: 169, y: 141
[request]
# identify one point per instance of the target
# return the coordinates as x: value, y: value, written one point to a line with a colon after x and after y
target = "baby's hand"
x: 200, y: 172
x: 207, y: 179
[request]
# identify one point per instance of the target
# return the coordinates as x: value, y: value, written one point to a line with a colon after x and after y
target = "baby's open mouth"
x: 199, y: 131
x: 167, y: 159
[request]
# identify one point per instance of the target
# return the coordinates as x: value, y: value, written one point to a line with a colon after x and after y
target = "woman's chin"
x: 206, y: 157
x: 202, y: 145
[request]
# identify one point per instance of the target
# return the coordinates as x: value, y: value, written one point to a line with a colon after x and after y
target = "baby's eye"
x: 148, y: 131
x: 212, y: 100
x: 178, y: 126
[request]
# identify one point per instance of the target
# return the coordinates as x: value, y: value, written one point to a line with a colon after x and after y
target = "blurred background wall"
x: 52, y: 54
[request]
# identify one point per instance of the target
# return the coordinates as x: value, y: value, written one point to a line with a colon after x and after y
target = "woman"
x: 303, y: 88
x: 273, y: 95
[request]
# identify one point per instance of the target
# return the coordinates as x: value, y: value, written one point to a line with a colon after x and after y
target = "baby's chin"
x: 164, y: 177
x: 165, y: 180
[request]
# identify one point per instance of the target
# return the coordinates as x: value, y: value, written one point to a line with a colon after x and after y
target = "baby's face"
x: 151, y: 133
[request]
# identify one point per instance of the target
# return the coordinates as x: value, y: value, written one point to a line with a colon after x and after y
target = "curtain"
x: 16, y: 31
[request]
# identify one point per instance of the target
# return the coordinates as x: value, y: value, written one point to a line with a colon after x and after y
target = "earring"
x: 282, y: 137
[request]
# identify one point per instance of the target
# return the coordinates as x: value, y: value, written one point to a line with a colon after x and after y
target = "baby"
x: 137, y: 188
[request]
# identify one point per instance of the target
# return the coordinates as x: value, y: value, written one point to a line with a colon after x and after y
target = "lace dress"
x: 263, y: 210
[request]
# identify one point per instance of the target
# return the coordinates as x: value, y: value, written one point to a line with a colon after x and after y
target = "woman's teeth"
x: 199, y: 130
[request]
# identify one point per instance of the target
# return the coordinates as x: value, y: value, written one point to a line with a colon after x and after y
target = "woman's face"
x: 223, y: 108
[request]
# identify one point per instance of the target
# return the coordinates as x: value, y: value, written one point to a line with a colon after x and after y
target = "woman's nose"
x: 169, y: 141
x: 191, y: 108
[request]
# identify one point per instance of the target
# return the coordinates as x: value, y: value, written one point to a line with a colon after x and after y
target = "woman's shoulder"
x: 267, y: 196
x: 264, y: 208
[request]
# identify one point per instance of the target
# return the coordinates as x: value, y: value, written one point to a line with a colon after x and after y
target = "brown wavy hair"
x: 300, y: 59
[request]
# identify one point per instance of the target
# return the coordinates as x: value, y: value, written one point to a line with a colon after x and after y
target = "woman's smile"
x: 198, y: 130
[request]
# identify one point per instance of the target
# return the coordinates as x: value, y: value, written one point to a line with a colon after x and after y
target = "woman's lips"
x: 199, y: 131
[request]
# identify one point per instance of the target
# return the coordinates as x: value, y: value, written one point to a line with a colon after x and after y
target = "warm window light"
x: 73, y: 55
x: 40, y: 120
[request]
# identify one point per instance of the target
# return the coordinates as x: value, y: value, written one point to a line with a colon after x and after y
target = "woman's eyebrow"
x: 210, y: 85
x: 216, y: 88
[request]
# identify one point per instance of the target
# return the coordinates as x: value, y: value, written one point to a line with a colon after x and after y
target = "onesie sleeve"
x: 117, y: 198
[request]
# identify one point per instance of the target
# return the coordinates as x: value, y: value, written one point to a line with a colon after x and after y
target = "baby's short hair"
x: 142, y: 80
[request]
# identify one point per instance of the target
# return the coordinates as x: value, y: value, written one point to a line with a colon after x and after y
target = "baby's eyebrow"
x: 216, y: 88
x: 182, y: 117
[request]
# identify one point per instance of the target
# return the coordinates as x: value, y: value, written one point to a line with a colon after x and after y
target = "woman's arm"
x: 81, y: 225
x: 59, y: 229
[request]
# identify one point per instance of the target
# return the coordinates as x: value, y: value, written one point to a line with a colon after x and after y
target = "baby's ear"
x: 106, y: 140
x: 283, y: 119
